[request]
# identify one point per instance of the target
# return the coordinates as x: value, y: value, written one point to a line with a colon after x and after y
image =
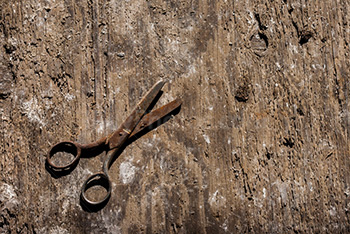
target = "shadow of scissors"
x: 137, y: 122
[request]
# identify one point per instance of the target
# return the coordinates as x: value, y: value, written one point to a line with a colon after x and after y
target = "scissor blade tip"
x: 160, y: 84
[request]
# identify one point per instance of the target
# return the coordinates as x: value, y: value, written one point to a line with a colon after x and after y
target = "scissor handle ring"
x: 66, y: 146
x: 98, y: 179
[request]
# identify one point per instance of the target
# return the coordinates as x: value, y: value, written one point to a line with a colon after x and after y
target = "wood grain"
x: 261, y: 143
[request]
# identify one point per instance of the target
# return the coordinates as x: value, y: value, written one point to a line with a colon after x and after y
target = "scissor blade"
x: 130, y: 123
x: 155, y: 116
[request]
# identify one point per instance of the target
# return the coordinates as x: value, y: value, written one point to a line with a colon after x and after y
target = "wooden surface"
x: 261, y: 143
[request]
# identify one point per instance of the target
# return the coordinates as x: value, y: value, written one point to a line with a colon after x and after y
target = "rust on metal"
x: 130, y: 123
x: 136, y: 122
x: 156, y: 115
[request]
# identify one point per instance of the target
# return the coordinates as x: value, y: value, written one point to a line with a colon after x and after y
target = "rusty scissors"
x: 137, y: 121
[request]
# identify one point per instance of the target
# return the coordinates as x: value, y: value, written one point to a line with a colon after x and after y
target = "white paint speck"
x: 113, y: 228
x: 224, y: 226
x: 8, y: 195
x: 264, y: 192
x: 191, y: 71
x: 310, y: 186
x: 127, y: 172
x: 69, y: 97
x: 33, y: 111
x: 65, y: 206
x: 206, y: 138
x: 216, y: 199
x: 250, y: 20
x: 283, y: 188
x: 278, y: 66
x: 332, y: 211
x: 58, y: 230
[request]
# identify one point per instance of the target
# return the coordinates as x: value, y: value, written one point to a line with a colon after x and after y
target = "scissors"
x: 137, y: 121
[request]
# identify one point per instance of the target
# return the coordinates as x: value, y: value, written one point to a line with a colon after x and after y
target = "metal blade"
x: 124, y: 131
x: 155, y: 116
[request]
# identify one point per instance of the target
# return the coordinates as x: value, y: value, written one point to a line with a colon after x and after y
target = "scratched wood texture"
x: 261, y: 143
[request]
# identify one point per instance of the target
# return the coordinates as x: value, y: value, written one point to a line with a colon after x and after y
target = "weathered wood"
x: 261, y: 143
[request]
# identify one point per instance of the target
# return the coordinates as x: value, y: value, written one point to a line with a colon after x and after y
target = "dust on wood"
x: 261, y: 143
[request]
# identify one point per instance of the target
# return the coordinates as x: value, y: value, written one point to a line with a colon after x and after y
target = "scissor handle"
x: 98, y: 179
x: 68, y: 147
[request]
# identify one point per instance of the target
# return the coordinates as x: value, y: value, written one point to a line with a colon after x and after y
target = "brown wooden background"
x: 262, y: 140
